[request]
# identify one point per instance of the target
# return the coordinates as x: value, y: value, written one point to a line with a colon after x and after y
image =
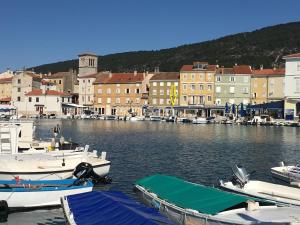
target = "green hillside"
x: 264, y: 46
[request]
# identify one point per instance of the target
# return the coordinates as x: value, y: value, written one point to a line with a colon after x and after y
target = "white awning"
x: 7, y: 107
x: 72, y: 105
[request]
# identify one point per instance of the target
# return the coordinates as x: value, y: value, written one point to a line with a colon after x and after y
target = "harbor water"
x: 201, y: 153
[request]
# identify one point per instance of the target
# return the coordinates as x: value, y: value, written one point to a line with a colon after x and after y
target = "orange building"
x: 197, y: 84
x: 121, y: 94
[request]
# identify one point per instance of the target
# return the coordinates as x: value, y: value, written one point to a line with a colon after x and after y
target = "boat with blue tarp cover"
x: 189, y: 203
x: 109, y: 208
x: 40, y: 193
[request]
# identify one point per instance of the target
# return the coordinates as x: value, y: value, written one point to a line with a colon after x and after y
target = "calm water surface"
x: 198, y: 153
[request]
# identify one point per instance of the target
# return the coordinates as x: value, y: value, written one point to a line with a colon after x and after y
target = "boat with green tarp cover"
x: 189, y: 203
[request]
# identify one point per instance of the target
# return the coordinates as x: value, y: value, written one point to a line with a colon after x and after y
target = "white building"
x: 41, y: 101
x: 292, y: 86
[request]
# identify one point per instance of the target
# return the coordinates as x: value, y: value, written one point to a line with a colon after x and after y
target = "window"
x: 137, y: 100
x: 154, y: 92
x: 232, y: 79
x: 161, y: 84
x: 193, y: 76
x: 208, y: 98
x: 154, y: 84
x: 298, y: 67
x: 168, y: 84
x: 201, y: 87
x: 202, y: 99
x: 184, y: 87
x: 19, y: 89
x: 154, y: 102
x: 30, y: 99
x: 218, y: 89
x: 218, y: 101
x: 246, y: 79
x: 63, y: 99
x: 231, y: 90
x: 137, y: 85
x: 108, y: 100
x: 208, y: 76
x: 82, y: 81
x: 117, y: 100
x: 185, y: 98
x: 89, y: 81
x: 37, y: 99
x: 18, y: 98
x: 99, y: 91
x: 161, y: 101
x: 89, y: 98
x: 137, y: 91
x: 82, y: 98
x: 184, y: 76
x: 127, y: 100
x: 59, y: 81
x: 245, y: 90
x: 161, y: 91
x: 19, y: 81
x: 100, y: 100
x: 168, y: 92
x: 127, y: 91
x: 118, y: 85
x: 193, y: 87
x: 118, y: 91
x: 108, y: 91
x: 209, y: 87
x: 176, y: 84
x: 218, y: 79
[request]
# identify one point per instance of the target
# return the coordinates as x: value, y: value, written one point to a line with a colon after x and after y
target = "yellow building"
x: 267, y: 85
x: 120, y: 94
x: 5, y: 89
x: 197, y: 84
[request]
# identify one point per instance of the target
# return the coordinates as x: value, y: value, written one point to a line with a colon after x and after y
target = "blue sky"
x: 35, y: 32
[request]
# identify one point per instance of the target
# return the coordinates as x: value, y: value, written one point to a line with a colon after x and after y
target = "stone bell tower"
x: 88, y: 64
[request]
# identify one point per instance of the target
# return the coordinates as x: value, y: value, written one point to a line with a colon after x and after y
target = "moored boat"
x: 200, y: 120
x: 281, y: 194
x: 31, y: 194
x: 155, y: 118
x: 188, y: 203
x: 290, y: 174
x: 109, y: 208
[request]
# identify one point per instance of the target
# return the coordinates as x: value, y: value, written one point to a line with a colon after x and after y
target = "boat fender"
x: 3, y: 211
x: 252, y: 205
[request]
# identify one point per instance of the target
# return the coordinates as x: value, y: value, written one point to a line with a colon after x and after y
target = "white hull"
x: 265, y: 214
x: 47, y: 167
x: 200, y: 121
x: 283, y: 173
x: 38, y: 198
x: 273, y: 192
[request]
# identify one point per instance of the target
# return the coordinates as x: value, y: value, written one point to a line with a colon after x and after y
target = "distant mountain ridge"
x: 265, y: 46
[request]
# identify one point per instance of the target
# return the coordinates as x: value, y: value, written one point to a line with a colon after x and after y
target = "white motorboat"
x: 137, y: 118
x: 200, y: 120
x: 40, y: 166
x: 28, y: 194
x: 188, y: 203
x: 290, y: 174
x: 155, y: 118
x: 240, y: 183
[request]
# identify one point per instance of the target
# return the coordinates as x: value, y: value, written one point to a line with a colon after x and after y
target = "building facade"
x: 88, y: 64
x: 161, y: 89
x: 232, y: 85
x: 267, y: 85
x: 5, y: 90
x: 292, y: 86
x: 197, y: 84
x: 86, y: 90
x: 23, y: 82
x: 120, y: 94
x: 64, y: 81
x: 39, y: 101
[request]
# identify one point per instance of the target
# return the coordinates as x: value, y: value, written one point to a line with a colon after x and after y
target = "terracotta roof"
x: 296, y: 55
x: 57, y: 75
x: 225, y: 71
x: 166, y: 76
x: 188, y: 68
x: 46, y: 82
x: 37, y: 92
x: 242, y: 69
x: 5, y: 80
x: 269, y: 72
x: 119, y: 78
x: 8, y: 99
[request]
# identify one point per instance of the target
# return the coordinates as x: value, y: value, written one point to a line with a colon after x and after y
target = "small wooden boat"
x: 188, y: 203
x: 281, y: 194
x: 109, y: 208
x: 30, y: 194
x: 290, y: 174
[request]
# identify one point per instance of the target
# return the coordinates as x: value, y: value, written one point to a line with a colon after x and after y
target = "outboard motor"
x: 85, y: 171
x: 240, y: 176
